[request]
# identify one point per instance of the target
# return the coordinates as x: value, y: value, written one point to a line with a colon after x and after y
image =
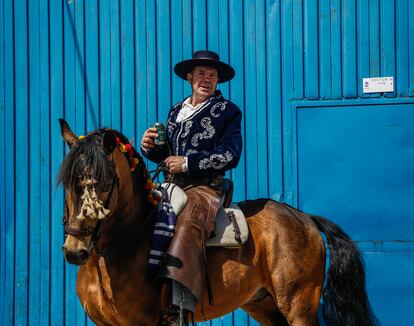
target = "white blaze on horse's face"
x: 91, y: 206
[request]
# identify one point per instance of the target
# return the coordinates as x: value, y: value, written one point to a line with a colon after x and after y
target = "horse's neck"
x: 115, y: 280
x: 128, y: 229
x: 130, y: 232
x: 126, y: 247
x: 119, y: 277
x: 131, y: 258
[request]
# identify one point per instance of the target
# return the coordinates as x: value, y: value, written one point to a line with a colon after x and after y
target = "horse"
x: 277, y: 276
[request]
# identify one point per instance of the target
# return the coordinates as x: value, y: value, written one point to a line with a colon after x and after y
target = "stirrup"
x: 173, y: 317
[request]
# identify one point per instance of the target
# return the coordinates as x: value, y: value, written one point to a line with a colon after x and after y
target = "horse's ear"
x: 67, y: 134
x: 109, y: 141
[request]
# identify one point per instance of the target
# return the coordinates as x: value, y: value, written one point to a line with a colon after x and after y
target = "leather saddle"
x: 230, y: 230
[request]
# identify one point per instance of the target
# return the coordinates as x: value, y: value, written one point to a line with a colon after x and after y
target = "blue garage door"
x: 355, y: 165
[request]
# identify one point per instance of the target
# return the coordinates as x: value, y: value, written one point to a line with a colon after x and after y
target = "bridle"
x: 95, y: 232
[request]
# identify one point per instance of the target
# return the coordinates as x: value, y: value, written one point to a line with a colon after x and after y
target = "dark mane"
x: 89, y: 152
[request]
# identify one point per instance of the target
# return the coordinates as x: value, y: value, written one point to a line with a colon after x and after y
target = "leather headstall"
x: 95, y: 232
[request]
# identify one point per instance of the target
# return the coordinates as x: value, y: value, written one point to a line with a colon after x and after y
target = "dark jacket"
x: 210, y: 138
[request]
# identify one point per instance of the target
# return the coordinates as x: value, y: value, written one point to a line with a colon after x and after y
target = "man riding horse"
x: 277, y: 276
x: 203, y: 141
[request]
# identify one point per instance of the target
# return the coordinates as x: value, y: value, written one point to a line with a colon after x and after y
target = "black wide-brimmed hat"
x: 205, y: 58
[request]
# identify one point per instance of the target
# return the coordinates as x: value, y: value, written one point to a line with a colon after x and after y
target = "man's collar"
x: 188, y: 103
x: 216, y: 96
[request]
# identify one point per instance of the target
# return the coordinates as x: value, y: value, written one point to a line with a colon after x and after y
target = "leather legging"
x: 185, y: 260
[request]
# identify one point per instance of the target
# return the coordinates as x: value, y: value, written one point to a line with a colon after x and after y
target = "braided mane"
x: 89, y: 154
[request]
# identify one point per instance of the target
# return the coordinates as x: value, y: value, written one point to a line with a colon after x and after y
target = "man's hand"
x: 147, y: 141
x: 175, y: 164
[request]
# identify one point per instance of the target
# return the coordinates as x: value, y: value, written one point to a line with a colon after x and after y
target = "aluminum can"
x: 160, y: 140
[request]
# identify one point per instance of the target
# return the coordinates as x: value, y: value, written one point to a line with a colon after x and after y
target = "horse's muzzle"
x: 77, y: 257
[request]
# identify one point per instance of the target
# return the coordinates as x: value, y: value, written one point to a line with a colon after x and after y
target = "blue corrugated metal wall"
x: 312, y: 138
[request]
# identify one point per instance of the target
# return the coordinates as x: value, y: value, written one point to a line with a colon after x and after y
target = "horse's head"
x: 94, y: 173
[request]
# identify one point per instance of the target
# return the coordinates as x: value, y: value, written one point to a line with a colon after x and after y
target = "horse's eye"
x: 107, y: 187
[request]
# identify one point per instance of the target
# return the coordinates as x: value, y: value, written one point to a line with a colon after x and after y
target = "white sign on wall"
x: 378, y: 84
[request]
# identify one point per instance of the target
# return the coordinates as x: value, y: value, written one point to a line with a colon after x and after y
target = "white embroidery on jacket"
x: 183, y: 144
x: 170, y: 128
x: 187, y: 126
x: 215, y: 161
x: 191, y: 151
x: 218, y: 108
x: 208, y: 132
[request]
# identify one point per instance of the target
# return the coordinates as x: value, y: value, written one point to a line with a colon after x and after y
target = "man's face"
x: 203, y: 81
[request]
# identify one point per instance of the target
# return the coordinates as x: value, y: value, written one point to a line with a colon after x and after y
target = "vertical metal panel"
x: 213, y: 25
x: 402, y: 43
x: 152, y: 99
x: 45, y: 188
x: 104, y: 62
x: 72, y: 54
x: 199, y: 19
x: 76, y: 19
x: 57, y: 102
x: 274, y: 98
x: 336, y: 54
x: 388, y: 40
x: 163, y: 60
x: 76, y: 98
x: 177, y: 45
x: 363, y: 43
x: 141, y: 122
x: 237, y: 59
x: 2, y: 168
x: 297, y: 36
x: 115, y: 50
x: 374, y: 38
x: 349, y: 81
x: 151, y: 61
x: 9, y: 164
x: 261, y: 102
x: 223, y: 37
x: 187, y: 34
x: 35, y: 162
x: 188, y: 27
x: 288, y: 62
x: 91, y: 63
x: 126, y: 13
x: 22, y: 158
x: 311, y: 64
x: 325, y: 69
x: 250, y: 93
x: 109, y: 63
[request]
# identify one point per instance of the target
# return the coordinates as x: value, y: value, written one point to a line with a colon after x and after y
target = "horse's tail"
x: 345, y: 297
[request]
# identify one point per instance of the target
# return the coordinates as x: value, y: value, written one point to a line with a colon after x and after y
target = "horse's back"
x: 282, y: 228
x: 285, y: 252
x: 290, y: 238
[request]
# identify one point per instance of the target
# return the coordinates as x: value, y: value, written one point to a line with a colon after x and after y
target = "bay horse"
x: 277, y: 277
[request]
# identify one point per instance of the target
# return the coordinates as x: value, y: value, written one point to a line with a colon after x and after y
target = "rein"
x: 157, y: 171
